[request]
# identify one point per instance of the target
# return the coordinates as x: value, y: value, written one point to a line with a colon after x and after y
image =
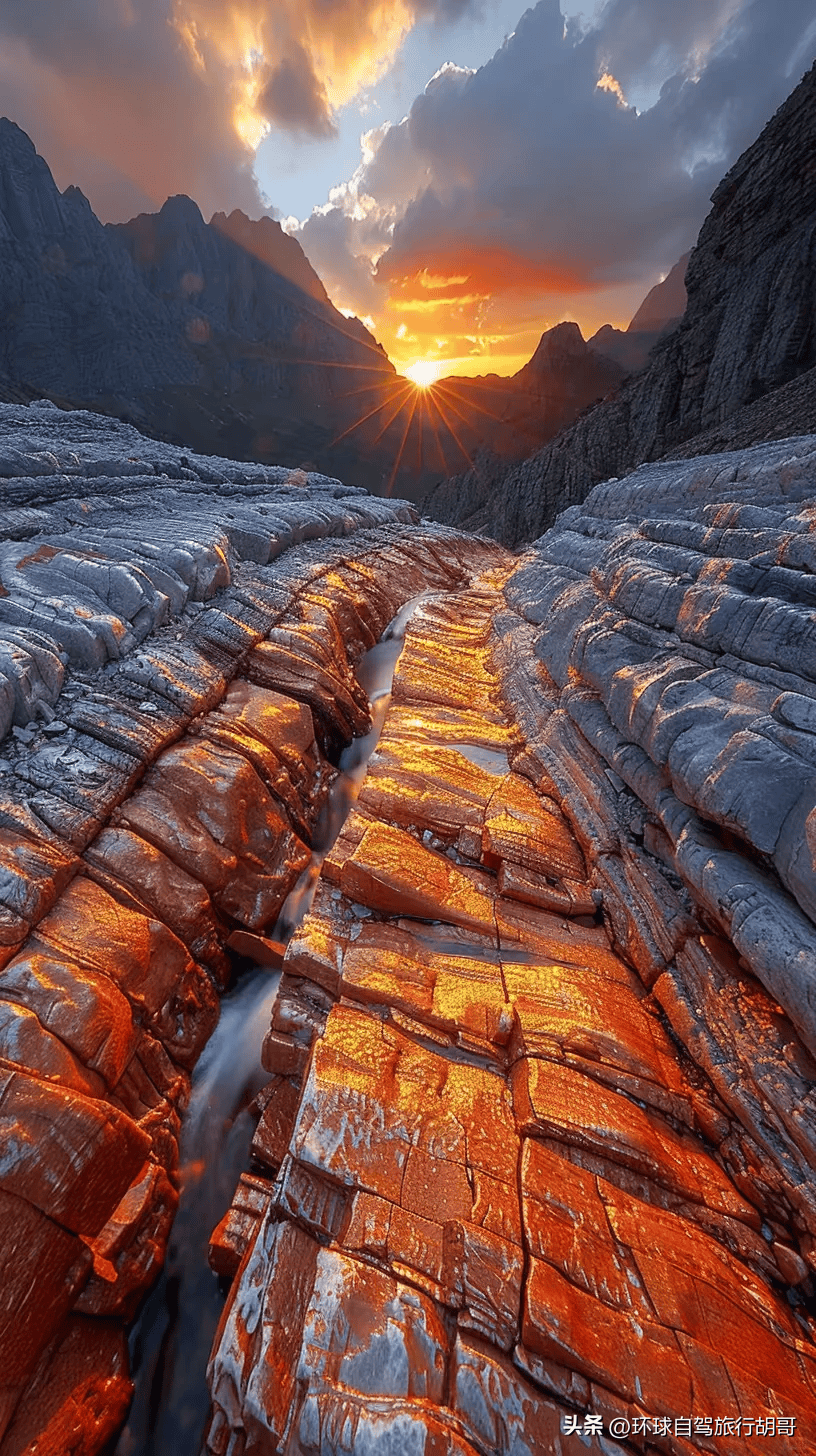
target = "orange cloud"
x: 293, y: 65
x: 483, y: 269
x: 530, y: 191
x: 607, y: 82
x: 139, y: 100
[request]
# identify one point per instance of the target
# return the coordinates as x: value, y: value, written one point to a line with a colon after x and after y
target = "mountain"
x: 219, y: 336
x: 661, y: 310
x: 665, y: 304
x: 505, y: 417
x: 748, y: 330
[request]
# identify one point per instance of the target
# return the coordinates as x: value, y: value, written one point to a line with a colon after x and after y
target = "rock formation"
x: 748, y: 330
x: 218, y: 335
x: 504, y: 418
x: 533, y: 1170
x: 660, y: 312
x: 149, y: 810
x: 221, y: 336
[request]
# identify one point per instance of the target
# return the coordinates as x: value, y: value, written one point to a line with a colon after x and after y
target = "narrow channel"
x: 170, y: 1342
x: 171, y: 1339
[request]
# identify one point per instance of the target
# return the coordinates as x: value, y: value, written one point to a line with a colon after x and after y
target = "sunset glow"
x: 424, y: 372
x: 398, y: 141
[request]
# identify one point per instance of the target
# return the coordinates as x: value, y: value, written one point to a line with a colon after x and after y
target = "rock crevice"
x: 536, y: 1150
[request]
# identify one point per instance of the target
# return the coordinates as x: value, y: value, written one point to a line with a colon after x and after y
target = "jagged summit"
x: 267, y: 241
x: 562, y: 339
x: 215, y: 335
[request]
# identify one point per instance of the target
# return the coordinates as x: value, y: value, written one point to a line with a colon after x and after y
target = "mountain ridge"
x: 144, y: 321
x: 220, y: 336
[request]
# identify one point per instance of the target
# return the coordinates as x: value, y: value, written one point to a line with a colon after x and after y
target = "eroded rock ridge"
x: 536, y: 1154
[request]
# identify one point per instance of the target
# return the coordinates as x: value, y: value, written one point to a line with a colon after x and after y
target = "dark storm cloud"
x: 527, y: 175
x: 530, y: 153
x: 294, y: 98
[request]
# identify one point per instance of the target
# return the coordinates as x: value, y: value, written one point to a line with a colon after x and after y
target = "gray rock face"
x: 78, y: 320
x: 748, y: 330
x: 673, y: 624
x: 89, y: 592
x: 218, y: 334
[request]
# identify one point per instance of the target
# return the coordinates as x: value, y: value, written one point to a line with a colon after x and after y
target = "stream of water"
x: 170, y: 1343
x: 375, y: 673
x: 171, y: 1340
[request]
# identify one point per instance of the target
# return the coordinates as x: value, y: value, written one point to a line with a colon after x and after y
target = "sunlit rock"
x: 536, y: 1145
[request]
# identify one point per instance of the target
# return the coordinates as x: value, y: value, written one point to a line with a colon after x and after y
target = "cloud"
x: 565, y: 174
x: 136, y: 100
x: 294, y: 98
x: 112, y: 99
x: 579, y: 159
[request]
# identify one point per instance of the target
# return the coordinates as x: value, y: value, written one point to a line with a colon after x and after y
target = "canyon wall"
x: 749, y: 329
x: 534, y: 1166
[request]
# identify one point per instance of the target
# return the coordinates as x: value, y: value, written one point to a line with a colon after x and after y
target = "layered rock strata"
x: 535, y: 1165
x: 749, y: 329
x: 175, y: 681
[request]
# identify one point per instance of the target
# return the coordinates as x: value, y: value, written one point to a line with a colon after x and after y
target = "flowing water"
x: 170, y: 1343
x: 375, y: 673
x: 171, y: 1340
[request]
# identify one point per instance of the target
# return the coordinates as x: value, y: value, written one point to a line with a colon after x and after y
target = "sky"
x: 462, y: 174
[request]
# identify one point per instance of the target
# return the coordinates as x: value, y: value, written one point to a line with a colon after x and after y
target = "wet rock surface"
x: 535, y: 1145
x: 533, y: 1169
x: 171, y: 662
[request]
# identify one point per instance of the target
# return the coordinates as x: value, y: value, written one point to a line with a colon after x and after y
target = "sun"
x: 424, y: 372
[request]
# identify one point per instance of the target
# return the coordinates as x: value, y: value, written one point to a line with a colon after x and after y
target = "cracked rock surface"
x: 539, y: 1133
x: 522, y: 1158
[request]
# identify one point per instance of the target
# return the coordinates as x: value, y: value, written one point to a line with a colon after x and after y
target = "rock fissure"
x: 490, y: 1183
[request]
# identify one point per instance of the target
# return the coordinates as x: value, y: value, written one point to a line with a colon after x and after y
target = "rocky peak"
x: 160, y: 242
x: 217, y: 335
x: 267, y: 241
x: 664, y: 304
x: 32, y: 211
x: 228, y: 269
x: 564, y: 339
x: 661, y: 310
x: 564, y: 366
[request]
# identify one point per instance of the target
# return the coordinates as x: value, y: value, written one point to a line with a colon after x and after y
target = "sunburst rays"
x: 427, y: 416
